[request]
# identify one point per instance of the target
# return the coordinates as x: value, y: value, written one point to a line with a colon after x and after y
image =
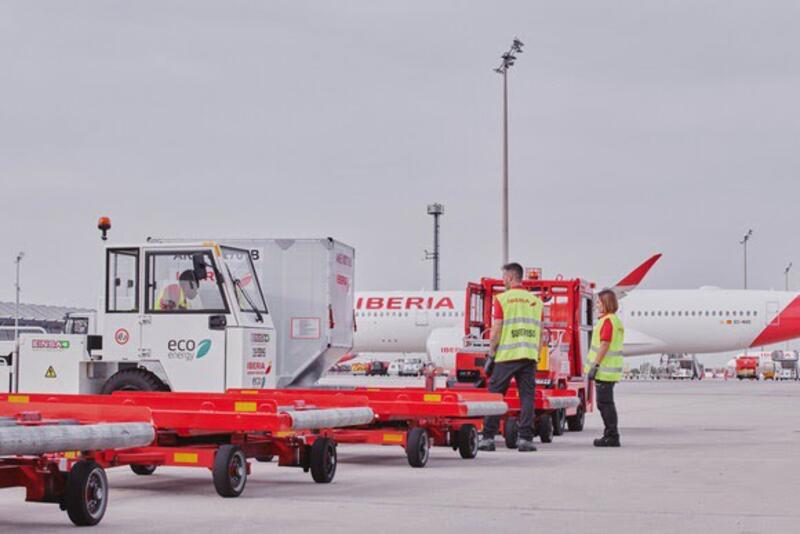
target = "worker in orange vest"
x: 177, y: 296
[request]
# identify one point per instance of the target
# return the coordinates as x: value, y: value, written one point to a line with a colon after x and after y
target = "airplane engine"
x: 442, y: 345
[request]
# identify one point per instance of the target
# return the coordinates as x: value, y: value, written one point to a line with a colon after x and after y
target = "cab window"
x: 173, y: 286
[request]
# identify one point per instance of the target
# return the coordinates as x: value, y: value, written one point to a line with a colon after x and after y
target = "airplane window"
x: 706, y: 313
x: 693, y: 314
x: 679, y: 314
x: 727, y: 313
x: 755, y: 313
x: 748, y: 313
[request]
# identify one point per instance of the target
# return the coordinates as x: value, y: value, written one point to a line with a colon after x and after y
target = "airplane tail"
x: 635, y: 277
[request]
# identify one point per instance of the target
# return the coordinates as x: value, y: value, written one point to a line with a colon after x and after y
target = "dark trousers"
x: 524, y: 372
x: 608, y: 410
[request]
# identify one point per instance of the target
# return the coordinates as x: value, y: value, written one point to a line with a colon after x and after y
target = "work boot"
x: 525, y: 445
x: 486, y: 444
x: 606, y: 441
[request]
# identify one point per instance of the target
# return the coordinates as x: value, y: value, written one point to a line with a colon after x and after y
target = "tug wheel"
x: 136, y: 379
x: 417, y: 447
x: 323, y: 460
x: 229, y: 471
x: 143, y: 470
x: 468, y: 441
x: 86, y: 494
x: 511, y: 432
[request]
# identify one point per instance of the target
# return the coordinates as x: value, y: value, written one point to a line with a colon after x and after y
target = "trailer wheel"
x: 137, y: 379
x: 417, y: 447
x: 511, y: 432
x: 86, y: 493
x: 323, y: 460
x: 143, y: 470
x: 544, y: 428
x: 559, y: 422
x: 468, y: 441
x: 230, y: 471
x: 575, y: 422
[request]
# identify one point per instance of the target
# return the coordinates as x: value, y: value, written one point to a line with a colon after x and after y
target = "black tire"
x: 468, y: 441
x: 575, y: 422
x: 230, y: 471
x: 143, y: 470
x: 511, y: 432
x: 137, y: 379
x: 559, y: 422
x: 417, y: 447
x: 265, y: 459
x: 86, y: 494
x: 323, y: 460
x: 544, y: 428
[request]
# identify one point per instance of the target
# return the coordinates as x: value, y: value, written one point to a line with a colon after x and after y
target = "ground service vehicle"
x: 187, y: 317
x: 786, y: 365
x: 747, y: 367
x: 563, y: 396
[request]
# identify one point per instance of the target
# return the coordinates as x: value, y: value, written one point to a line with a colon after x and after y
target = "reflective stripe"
x: 522, y: 320
x: 609, y: 353
x: 609, y: 369
x: 520, y: 345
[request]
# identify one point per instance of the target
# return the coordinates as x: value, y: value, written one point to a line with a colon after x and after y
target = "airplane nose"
x: 783, y: 327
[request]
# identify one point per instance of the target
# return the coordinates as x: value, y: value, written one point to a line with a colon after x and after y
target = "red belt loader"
x: 563, y: 395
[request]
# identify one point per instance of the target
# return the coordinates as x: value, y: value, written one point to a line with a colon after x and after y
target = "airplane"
x: 696, y: 321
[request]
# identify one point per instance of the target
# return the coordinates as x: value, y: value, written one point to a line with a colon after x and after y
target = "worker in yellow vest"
x: 604, y: 364
x: 176, y: 297
x: 514, y: 351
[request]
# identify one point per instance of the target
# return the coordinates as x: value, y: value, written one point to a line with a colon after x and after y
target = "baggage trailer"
x: 60, y: 445
x: 413, y: 418
x: 563, y: 395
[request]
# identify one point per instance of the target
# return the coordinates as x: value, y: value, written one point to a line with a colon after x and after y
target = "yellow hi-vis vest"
x: 611, y: 367
x: 172, y: 293
x: 522, y: 326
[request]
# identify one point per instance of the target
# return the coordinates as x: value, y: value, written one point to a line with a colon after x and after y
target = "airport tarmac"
x: 707, y: 456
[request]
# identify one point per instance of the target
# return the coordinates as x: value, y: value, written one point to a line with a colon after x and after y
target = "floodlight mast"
x: 507, y: 62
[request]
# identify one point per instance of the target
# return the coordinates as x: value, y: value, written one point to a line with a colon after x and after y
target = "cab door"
x: 183, y: 327
x: 122, y: 326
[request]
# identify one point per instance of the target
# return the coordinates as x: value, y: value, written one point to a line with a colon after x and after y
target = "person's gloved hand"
x: 488, y: 366
x: 593, y: 372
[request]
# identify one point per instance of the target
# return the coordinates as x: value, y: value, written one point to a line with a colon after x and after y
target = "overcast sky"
x: 636, y: 127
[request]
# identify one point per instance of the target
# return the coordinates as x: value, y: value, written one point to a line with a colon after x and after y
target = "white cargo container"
x: 309, y: 288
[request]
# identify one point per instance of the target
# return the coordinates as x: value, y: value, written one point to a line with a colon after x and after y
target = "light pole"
x: 786, y: 274
x: 437, y: 210
x: 508, y: 60
x: 743, y: 242
x: 16, y: 324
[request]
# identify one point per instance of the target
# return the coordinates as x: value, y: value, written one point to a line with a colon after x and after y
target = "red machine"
x: 747, y: 367
x: 562, y: 394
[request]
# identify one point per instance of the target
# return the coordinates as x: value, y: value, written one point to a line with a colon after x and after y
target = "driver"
x: 177, y: 296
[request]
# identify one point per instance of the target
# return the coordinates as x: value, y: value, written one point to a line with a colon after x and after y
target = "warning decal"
x: 51, y: 373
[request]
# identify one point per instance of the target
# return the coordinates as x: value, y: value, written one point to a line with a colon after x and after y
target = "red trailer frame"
x: 412, y: 418
x: 216, y: 431
x: 563, y: 396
